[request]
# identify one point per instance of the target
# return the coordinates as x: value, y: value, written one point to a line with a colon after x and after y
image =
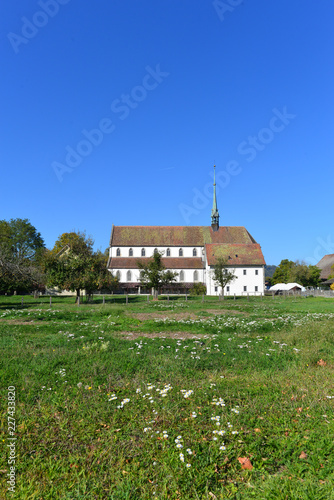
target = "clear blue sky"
x: 174, y: 86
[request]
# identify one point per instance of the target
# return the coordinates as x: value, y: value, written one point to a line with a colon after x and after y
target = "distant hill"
x: 269, y: 271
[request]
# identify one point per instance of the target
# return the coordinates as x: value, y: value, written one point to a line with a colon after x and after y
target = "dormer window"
x: 194, y: 252
x: 143, y: 253
x: 130, y: 252
x: 118, y: 252
x: 168, y: 252
x: 180, y: 252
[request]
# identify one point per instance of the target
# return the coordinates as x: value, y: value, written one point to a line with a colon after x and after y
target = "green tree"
x: 76, y: 267
x: 284, y: 273
x: 222, y: 274
x: 299, y: 272
x: 154, y: 275
x: 21, y: 252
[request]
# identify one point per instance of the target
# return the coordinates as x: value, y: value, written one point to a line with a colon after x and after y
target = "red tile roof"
x: 177, y: 235
x: 236, y: 255
x: 325, y: 264
x: 169, y: 262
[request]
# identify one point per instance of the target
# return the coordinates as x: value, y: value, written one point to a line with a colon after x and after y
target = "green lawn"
x: 168, y: 399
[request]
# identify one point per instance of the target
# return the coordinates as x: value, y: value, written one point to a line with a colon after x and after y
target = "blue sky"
x: 115, y: 113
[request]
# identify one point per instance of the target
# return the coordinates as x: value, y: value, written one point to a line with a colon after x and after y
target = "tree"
x: 76, y: 267
x: 284, y: 272
x: 21, y: 251
x: 222, y: 274
x: 154, y: 275
x: 290, y: 272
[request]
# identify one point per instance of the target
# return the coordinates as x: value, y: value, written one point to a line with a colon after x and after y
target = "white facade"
x: 249, y: 278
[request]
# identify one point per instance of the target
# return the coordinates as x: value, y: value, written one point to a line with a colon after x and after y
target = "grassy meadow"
x: 169, y: 399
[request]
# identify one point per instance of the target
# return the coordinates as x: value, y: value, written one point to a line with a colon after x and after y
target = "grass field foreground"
x: 170, y: 399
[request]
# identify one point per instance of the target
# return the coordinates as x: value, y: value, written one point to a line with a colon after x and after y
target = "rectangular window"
x: 256, y: 288
x: 216, y: 288
x: 256, y: 272
x: 245, y: 289
x: 227, y: 288
x: 245, y: 272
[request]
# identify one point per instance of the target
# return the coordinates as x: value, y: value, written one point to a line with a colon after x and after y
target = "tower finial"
x: 214, y: 211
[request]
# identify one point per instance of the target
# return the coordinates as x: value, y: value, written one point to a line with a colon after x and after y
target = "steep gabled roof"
x: 325, y: 264
x: 178, y: 236
x: 235, y: 254
x: 168, y: 262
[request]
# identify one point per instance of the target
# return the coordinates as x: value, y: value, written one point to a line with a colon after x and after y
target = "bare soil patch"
x: 17, y: 321
x: 170, y: 335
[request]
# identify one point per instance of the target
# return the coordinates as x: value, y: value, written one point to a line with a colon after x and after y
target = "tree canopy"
x: 75, y: 267
x: 296, y: 272
x: 21, y: 251
x: 153, y: 274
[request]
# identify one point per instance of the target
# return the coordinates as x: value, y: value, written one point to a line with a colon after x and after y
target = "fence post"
x: 79, y: 300
x: 22, y: 301
x: 203, y: 297
x: 148, y: 297
x: 168, y: 297
x: 186, y: 296
x: 272, y: 294
x: 126, y: 299
x: 247, y: 296
x: 234, y: 297
x: 50, y: 301
x: 104, y: 300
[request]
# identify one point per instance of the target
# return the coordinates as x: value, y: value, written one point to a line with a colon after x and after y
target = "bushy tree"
x: 21, y: 252
x: 76, y: 267
x: 153, y: 274
x: 198, y: 289
x: 299, y: 272
x: 222, y: 274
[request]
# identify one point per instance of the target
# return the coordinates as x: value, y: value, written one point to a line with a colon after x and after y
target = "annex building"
x: 191, y: 251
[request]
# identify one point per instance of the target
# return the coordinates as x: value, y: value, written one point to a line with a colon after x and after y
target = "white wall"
x: 251, y: 280
x: 174, y: 251
x: 188, y: 275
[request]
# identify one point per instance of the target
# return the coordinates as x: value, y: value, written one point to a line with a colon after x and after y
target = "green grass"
x: 98, y: 386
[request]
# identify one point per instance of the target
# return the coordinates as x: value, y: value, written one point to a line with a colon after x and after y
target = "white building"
x: 191, y: 251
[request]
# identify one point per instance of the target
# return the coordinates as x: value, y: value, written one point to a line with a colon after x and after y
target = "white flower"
x: 179, y: 445
x: 222, y: 447
x: 189, y: 451
x: 188, y: 465
x: 181, y: 457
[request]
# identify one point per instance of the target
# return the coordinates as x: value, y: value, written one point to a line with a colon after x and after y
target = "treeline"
x: 26, y: 265
x: 296, y: 272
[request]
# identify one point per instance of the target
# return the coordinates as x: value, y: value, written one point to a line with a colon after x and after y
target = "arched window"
x: 168, y: 252
x: 181, y: 275
x: 155, y: 250
x: 141, y: 274
x: 130, y: 252
x: 118, y: 275
x: 180, y: 252
x: 194, y: 252
x: 195, y: 276
x: 118, y: 252
x: 143, y: 252
x: 128, y: 276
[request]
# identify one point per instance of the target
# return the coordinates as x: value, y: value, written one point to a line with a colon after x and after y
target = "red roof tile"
x: 168, y: 262
x: 178, y: 235
x: 236, y: 255
x: 325, y: 264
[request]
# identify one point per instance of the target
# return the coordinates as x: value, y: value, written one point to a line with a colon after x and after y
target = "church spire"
x: 214, y: 211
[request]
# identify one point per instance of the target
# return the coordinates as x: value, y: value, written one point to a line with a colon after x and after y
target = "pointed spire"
x: 214, y: 211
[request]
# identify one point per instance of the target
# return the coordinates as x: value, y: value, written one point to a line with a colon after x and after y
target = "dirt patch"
x: 230, y: 312
x: 160, y: 315
x: 169, y: 335
x: 17, y: 321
